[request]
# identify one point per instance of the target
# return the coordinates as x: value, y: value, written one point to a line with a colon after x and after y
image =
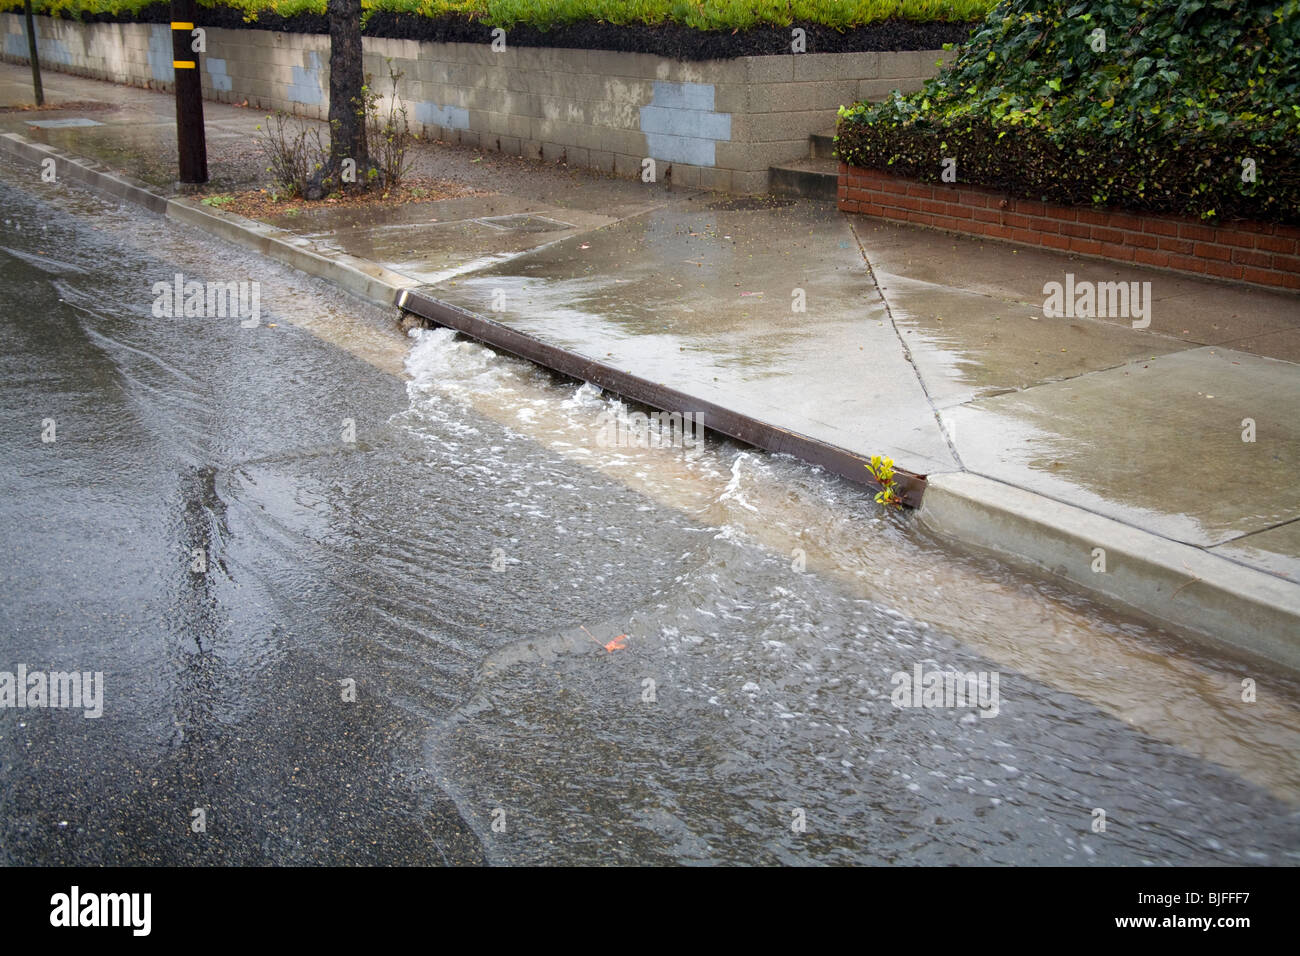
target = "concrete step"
x: 808, y: 178
x: 822, y: 147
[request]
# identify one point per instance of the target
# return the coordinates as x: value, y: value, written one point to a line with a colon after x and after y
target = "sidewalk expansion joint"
x: 907, y: 352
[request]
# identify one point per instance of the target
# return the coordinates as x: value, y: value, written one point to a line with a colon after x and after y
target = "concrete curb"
x: 1227, y: 603
x: 1184, y: 585
x: 83, y: 171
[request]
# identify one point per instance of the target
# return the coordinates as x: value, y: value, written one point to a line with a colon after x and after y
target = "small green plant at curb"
x: 217, y: 201
x: 882, y: 469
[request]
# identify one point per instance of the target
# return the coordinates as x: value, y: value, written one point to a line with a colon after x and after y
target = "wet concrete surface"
x: 1187, y: 311
x: 766, y: 311
x: 465, y: 560
x: 1139, y: 425
x: 436, y: 241
x: 1189, y: 477
x: 1274, y: 549
x: 967, y: 346
x: 135, y: 131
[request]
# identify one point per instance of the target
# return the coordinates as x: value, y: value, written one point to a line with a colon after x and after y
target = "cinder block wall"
x: 718, y: 124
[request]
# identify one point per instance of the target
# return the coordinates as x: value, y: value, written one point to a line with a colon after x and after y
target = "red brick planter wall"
x: 1256, y: 252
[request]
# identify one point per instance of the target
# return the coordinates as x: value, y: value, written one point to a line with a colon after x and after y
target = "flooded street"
x: 440, y: 621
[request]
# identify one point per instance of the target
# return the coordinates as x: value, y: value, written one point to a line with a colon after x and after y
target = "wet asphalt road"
x: 222, y: 688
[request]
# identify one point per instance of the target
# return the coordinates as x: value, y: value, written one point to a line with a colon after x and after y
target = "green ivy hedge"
x: 1170, y: 114
x: 699, y: 14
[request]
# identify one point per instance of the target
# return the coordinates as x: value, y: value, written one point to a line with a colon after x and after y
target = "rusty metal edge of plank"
x: 750, y: 430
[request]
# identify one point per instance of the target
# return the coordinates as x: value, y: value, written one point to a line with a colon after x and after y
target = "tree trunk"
x: 347, y: 103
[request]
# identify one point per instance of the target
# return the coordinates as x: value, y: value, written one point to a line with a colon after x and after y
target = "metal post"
x: 190, y: 141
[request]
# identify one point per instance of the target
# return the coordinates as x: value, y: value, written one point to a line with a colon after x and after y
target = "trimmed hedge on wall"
x: 728, y: 15
x: 1185, y: 108
x: 696, y: 30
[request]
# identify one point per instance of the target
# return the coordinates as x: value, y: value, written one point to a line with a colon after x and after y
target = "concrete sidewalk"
x: 1046, y: 439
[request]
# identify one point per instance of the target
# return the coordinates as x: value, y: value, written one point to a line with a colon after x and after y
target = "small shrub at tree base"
x: 388, y: 133
x: 1186, y: 108
x: 297, y: 155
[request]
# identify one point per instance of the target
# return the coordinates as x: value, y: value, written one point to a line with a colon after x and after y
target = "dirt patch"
x: 749, y: 203
x: 79, y: 106
x: 265, y: 204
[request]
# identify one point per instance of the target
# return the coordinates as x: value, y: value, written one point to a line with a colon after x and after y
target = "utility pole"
x: 31, y: 49
x: 190, y: 141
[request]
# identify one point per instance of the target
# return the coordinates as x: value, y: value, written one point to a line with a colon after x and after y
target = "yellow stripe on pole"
x: 177, y: 25
x: 183, y: 64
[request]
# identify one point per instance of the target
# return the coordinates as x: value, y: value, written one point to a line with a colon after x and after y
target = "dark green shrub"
x: 1183, y: 101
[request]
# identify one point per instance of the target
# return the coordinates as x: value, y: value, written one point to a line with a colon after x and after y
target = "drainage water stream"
x: 467, y: 560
